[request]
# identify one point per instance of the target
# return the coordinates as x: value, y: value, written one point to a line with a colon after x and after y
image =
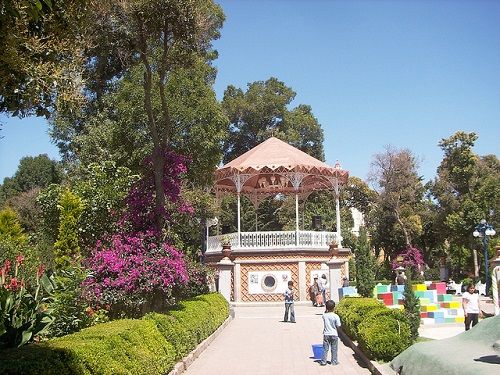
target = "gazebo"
x: 261, y: 263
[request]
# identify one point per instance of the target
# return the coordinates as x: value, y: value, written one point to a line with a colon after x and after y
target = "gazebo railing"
x: 275, y: 239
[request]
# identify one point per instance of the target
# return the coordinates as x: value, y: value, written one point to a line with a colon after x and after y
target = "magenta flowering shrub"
x: 411, y: 257
x: 133, y: 268
x: 141, y: 208
x: 136, y: 270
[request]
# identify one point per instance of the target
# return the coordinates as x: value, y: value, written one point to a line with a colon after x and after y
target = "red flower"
x: 6, y: 266
x: 40, y: 271
x: 19, y: 260
x: 14, y: 285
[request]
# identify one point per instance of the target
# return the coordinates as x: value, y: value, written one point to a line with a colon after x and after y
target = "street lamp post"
x: 485, y: 230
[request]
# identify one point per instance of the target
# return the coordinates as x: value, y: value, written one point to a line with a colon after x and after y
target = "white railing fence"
x: 277, y: 239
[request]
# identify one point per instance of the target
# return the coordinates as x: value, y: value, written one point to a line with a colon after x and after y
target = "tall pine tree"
x: 365, y: 266
x: 412, y: 306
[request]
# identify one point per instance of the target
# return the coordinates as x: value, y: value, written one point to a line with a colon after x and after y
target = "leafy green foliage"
x: 365, y: 266
x: 466, y: 190
x: 382, y: 333
x: 384, y: 336
x: 70, y: 311
x: 262, y: 112
x: 103, y: 188
x: 352, y: 311
x: 23, y: 311
x: 10, y: 228
x: 40, y: 60
x: 396, y: 219
x: 151, y: 345
x: 412, y: 307
x: 66, y: 247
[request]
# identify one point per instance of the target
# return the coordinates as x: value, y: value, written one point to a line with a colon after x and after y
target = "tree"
x: 32, y: 172
x: 67, y: 248
x: 261, y: 112
x: 161, y: 37
x: 398, y: 220
x: 10, y: 227
x: 412, y: 306
x: 466, y: 190
x: 40, y: 63
x: 365, y: 266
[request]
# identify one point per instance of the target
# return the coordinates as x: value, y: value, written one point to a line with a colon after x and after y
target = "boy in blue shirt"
x: 330, y: 334
x: 289, y: 303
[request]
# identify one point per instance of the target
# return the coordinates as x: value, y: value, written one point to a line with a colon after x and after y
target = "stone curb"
x: 369, y: 364
x: 185, y: 362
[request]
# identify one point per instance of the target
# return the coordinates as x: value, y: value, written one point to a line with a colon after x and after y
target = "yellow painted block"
x: 421, y: 287
x: 460, y: 319
x: 427, y: 308
x: 424, y: 301
x: 451, y: 304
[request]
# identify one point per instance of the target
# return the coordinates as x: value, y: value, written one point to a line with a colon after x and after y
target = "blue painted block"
x: 397, y: 288
x: 436, y: 314
x: 439, y: 320
x: 347, y: 291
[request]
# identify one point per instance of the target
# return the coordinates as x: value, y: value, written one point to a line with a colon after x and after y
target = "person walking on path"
x: 289, y: 307
x: 331, y: 322
x: 323, y: 282
x: 470, y: 304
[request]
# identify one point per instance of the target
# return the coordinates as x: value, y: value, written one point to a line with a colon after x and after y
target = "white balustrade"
x: 273, y: 240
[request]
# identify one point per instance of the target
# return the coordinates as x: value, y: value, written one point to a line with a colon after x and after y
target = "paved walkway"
x: 257, y: 342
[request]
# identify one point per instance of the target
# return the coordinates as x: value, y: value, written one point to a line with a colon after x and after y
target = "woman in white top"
x: 470, y: 303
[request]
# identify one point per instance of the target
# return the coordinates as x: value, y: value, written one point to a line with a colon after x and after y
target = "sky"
x: 375, y: 73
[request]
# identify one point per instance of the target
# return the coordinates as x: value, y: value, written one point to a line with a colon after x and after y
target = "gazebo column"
x: 296, y: 218
x: 334, y: 180
x: 337, y: 215
x: 239, y: 217
x: 296, y: 179
x: 239, y: 180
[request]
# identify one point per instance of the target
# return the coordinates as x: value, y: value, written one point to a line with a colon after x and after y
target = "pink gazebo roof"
x: 273, y: 165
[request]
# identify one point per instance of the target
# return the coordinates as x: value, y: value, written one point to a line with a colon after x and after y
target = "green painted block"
x: 445, y: 297
x: 382, y: 289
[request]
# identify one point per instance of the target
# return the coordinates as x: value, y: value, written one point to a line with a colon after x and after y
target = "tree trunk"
x: 407, y: 236
x: 158, y: 143
x: 476, y: 264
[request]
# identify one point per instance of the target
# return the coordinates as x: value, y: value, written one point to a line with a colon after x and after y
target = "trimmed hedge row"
x: 382, y: 333
x: 151, y: 345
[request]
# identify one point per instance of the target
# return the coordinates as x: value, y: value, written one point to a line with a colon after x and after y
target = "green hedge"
x: 382, y: 333
x: 352, y: 311
x: 151, y: 345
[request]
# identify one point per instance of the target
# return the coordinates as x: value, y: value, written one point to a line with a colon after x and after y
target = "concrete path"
x: 257, y: 342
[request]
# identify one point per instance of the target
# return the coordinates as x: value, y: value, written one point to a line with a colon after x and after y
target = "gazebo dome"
x: 276, y: 167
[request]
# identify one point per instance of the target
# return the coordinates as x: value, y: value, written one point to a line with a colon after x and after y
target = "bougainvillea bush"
x: 410, y: 258
x: 133, y: 274
x: 137, y: 270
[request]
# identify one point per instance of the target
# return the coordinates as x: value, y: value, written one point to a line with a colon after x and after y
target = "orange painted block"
x: 424, y: 315
x: 451, y: 304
